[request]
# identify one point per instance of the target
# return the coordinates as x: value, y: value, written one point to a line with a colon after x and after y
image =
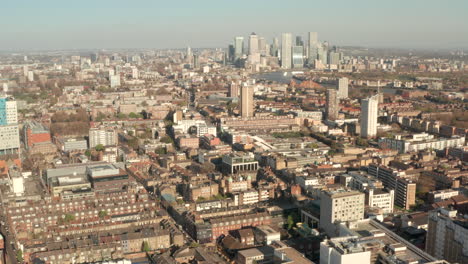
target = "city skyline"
x: 54, y: 25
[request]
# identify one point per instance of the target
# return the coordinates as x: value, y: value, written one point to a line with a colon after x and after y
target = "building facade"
x: 447, y: 236
x: 332, y: 105
x: 9, y: 133
x: 340, y: 206
x: 102, y: 136
x: 246, y: 101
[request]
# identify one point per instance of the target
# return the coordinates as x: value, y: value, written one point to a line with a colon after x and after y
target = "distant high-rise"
x: 253, y: 44
x: 9, y: 139
x: 286, y: 49
x: 334, y: 58
x: 196, y: 63
x: 298, y: 56
x: 254, y: 53
x: 231, y: 52
x: 369, y: 114
x: 189, y: 56
x: 238, y: 47
x: 343, y: 88
x: 322, y: 53
x: 114, y: 81
x: 233, y: 89
x: 30, y: 76
x: 313, y: 42
x: 135, y: 73
x: 274, y: 47
x: 94, y: 57
x: 262, y: 46
x: 299, y: 41
x: 246, y: 101
x: 332, y: 105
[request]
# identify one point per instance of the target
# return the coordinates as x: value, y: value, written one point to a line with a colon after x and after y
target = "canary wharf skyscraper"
x: 238, y: 47
x: 313, y: 42
x: 286, y: 49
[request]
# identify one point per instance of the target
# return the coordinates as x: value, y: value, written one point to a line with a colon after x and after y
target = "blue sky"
x: 67, y: 24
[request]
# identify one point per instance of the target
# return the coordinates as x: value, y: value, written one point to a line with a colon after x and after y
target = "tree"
x: 194, y: 245
x: 133, y: 143
x: 121, y: 116
x: 145, y: 247
x: 19, y: 256
x: 102, y: 214
x: 167, y: 140
x: 160, y: 151
x: 362, y: 142
x: 88, y: 153
x: 69, y: 217
x: 100, y: 147
x: 134, y: 115
x: 290, y: 222
x: 100, y: 116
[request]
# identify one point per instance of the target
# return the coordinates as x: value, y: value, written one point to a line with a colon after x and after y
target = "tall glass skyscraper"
x: 238, y: 47
x: 298, y: 57
x: 322, y: 54
x: 313, y: 43
x: 286, y: 49
x: 274, y: 47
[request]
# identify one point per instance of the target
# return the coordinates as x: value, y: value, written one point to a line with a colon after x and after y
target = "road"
x: 8, y: 238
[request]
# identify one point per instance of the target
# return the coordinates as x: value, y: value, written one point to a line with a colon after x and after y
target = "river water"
x: 279, y: 77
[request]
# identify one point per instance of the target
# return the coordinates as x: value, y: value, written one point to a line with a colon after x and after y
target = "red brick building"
x: 35, y: 132
x: 222, y: 226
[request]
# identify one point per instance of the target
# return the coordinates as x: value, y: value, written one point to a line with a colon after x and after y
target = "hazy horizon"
x: 64, y: 25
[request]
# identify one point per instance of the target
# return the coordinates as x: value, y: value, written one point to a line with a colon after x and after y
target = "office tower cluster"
x: 289, y: 52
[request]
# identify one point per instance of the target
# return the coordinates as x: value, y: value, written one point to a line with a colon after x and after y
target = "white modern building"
x: 343, y: 250
x: 340, y: 206
x: 9, y: 132
x: 380, y: 198
x: 102, y: 136
x: 266, y: 235
x: 369, y: 114
x: 114, y: 81
x: 422, y: 141
x: 30, y: 76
